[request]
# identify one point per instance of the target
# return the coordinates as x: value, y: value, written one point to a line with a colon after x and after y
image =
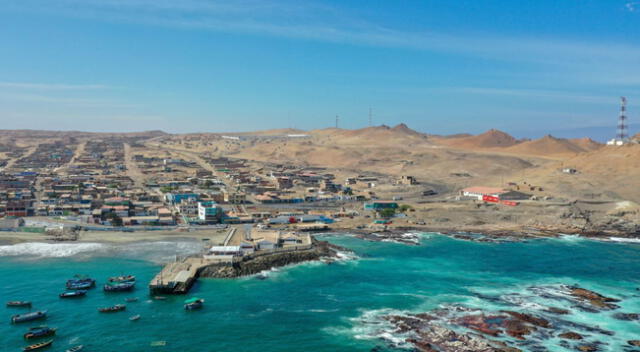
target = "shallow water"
x: 316, y: 306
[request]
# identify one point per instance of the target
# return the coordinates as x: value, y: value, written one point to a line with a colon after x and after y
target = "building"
x: 175, y: 198
x: 479, y: 192
x: 407, y: 180
x: 380, y: 205
x: 209, y: 211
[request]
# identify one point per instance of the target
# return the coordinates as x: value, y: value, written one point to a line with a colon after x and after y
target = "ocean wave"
x: 50, y: 250
x: 152, y: 251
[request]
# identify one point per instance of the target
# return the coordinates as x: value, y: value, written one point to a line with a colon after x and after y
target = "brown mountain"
x: 490, y: 139
x: 547, y: 146
x: 586, y: 143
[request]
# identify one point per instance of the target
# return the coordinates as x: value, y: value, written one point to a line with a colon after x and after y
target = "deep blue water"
x: 316, y: 306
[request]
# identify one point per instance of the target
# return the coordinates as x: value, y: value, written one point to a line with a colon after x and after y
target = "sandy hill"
x: 547, y: 146
x: 375, y: 135
x: 586, y: 143
x: 490, y: 139
x: 608, y: 172
x: 272, y: 132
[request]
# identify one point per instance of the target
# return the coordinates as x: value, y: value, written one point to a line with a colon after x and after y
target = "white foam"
x: 626, y: 240
x: 50, y: 250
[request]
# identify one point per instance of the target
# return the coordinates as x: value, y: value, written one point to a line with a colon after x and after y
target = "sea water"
x: 314, y: 306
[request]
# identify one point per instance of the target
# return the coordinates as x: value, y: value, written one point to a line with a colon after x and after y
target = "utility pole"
x: 337, y: 121
x: 370, y: 118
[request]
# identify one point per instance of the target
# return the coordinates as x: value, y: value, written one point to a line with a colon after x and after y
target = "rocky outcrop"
x: 261, y: 262
x: 569, y: 335
x: 594, y: 298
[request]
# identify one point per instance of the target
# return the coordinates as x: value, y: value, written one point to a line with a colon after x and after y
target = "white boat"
x: 135, y: 317
x: 76, y: 348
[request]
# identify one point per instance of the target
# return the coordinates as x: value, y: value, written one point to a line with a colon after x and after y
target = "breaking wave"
x: 152, y: 251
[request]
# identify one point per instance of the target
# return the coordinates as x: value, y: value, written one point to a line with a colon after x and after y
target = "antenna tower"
x: 622, y: 121
x: 370, y: 118
x: 337, y: 120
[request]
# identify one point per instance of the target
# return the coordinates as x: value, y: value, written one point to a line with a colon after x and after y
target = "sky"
x: 527, y: 67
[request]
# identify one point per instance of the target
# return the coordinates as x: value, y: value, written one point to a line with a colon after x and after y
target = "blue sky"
x: 527, y: 67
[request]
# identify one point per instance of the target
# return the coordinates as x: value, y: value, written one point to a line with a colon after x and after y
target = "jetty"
x: 177, y: 277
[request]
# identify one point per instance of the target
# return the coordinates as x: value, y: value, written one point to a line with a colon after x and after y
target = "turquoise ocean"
x: 317, y: 306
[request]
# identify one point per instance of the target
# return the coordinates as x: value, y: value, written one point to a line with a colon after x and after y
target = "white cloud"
x: 632, y: 5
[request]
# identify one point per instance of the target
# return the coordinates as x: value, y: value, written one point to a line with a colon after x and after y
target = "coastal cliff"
x: 257, y: 263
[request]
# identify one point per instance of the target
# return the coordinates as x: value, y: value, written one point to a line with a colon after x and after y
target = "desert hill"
x: 586, y: 143
x: 547, y: 146
x: 490, y: 139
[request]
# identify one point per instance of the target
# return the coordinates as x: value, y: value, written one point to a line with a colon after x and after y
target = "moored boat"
x: 135, y: 317
x: 193, y: 303
x: 81, y: 282
x: 21, y: 318
x: 38, y: 346
x: 131, y: 299
x: 119, y: 287
x: 116, y: 308
x: 38, y: 332
x: 73, y: 294
x: 75, y: 348
x: 19, y: 304
x: 123, y: 278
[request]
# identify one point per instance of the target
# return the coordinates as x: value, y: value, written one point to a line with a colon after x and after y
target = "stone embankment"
x: 259, y: 262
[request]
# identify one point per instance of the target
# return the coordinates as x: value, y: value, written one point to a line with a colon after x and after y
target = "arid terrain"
x: 599, y: 194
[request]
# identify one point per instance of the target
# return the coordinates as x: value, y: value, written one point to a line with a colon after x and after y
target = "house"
x: 514, y: 195
x: 247, y: 248
x: 407, y: 180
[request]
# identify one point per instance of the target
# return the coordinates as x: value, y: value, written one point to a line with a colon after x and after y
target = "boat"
x: 38, y: 332
x: 119, y: 287
x: 116, y: 308
x: 19, y: 304
x: 193, y: 303
x: 38, y: 346
x: 82, y: 282
x: 21, y: 318
x: 80, y: 285
x: 131, y: 299
x: 75, y: 349
x: 159, y: 298
x: 73, y: 294
x: 135, y: 317
x: 123, y: 278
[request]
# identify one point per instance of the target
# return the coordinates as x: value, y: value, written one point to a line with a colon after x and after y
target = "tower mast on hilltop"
x: 337, y: 120
x: 370, y: 118
x: 623, y: 135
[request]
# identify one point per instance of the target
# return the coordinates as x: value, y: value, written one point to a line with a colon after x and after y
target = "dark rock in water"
x: 627, y: 316
x: 558, y: 311
x: 593, y: 298
x: 570, y: 335
x: 541, y: 322
x: 634, y: 343
x: 517, y: 329
x: 587, y: 348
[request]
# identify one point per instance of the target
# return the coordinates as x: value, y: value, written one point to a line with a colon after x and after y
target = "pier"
x: 177, y: 277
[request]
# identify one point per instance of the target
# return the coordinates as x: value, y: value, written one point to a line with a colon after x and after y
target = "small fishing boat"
x: 116, y: 308
x: 119, y: 287
x: 38, y: 332
x: 81, y: 281
x: 73, y: 294
x: 123, y: 278
x: 193, y: 303
x: 19, y: 304
x: 135, y: 317
x: 75, y: 349
x: 131, y: 299
x: 159, y: 298
x: 80, y: 285
x: 21, y: 318
x: 38, y: 346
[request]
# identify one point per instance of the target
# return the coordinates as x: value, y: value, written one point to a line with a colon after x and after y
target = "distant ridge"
x: 491, y: 139
x: 548, y: 146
